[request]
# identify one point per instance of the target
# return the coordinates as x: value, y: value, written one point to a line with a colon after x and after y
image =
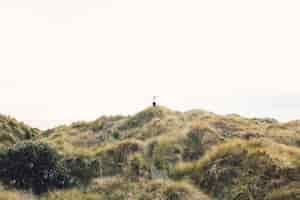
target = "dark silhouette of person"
x: 154, y: 101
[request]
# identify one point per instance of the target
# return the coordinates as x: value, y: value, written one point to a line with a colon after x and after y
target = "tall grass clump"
x: 242, y: 168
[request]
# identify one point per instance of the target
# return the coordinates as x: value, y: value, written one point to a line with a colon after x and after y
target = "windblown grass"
x: 163, y: 154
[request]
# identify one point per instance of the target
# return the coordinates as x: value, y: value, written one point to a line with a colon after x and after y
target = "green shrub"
x: 83, y: 168
x: 33, y: 166
x: 116, y: 135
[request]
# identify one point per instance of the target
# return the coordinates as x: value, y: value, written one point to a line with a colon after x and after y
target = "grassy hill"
x: 157, y: 154
x: 12, y: 131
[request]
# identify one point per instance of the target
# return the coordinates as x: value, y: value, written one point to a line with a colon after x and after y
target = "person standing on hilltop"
x: 154, y: 104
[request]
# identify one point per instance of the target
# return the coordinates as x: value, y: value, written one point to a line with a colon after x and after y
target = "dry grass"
x: 237, y: 166
x: 226, y: 156
x: 118, y: 188
x: 15, y: 195
x: 12, y: 131
x: 290, y: 192
x: 73, y: 194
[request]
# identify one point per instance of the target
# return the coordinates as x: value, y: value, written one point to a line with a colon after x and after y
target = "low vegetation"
x: 12, y: 131
x: 157, y: 154
x: 244, y: 169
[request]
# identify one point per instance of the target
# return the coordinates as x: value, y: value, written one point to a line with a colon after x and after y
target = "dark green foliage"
x: 116, y: 135
x: 83, y: 168
x: 33, y: 166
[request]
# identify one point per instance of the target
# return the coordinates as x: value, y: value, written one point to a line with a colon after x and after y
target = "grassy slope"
x: 163, y: 154
x: 12, y: 131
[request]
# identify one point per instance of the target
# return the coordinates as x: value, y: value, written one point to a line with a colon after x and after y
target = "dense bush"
x: 83, y: 169
x: 33, y: 166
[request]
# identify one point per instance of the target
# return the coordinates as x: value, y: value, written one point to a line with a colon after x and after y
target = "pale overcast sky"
x: 66, y: 60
